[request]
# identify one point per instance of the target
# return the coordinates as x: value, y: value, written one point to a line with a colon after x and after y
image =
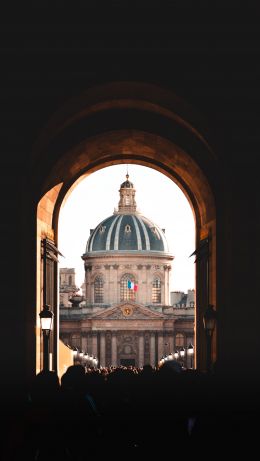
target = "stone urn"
x: 75, y: 300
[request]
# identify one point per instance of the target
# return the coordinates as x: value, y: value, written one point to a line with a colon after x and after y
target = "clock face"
x: 127, y: 311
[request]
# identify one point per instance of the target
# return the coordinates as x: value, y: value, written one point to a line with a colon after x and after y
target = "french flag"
x: 132, y: 285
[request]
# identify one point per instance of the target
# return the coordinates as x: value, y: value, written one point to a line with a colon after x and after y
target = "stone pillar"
x: 114, y: 349
x: 115, y: 284
x: 149, y: 284
x: 89, y: 343
x: 141, y: 350
x: 94, y: 344
x: 84, y: 342
x: 164, y: 286
x: 170, y: 340
x: 91, y: 287
x: 102, y: 349
x: 152, y: 349
x: 107, y: 286
x: 160, y: 346
x: 88, y: 270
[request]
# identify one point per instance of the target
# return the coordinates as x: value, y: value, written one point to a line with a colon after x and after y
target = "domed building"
x: 127, y: 247
x: 126, y: 318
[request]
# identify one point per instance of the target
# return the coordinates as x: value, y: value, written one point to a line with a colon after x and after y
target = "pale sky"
x: 157, y: 197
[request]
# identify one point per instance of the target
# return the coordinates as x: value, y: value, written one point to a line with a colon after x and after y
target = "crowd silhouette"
x: 146, y: 410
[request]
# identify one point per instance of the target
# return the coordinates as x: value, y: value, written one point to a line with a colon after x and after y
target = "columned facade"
x: 141, y: 338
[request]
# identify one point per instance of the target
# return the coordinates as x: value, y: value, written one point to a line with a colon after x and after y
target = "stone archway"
x: 128, y: 123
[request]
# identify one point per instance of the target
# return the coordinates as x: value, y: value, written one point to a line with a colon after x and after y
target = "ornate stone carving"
x: 167, y: 267
x: 115, y: 266
x: 127, y: 311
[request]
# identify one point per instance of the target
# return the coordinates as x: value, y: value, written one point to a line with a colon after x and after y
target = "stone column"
x: 115, y: 285
x: 170, y: 340
x: 164, y: 286
x: 160, y: 346
x: 103, y: 349
x: 114, y: 349
x: 89, y: 343
x: 107, y: 287
x: 141, y: 350
x: 152, y: 349
x: 84, y: 342
x: 88, y: 270
x: 149, y: 284
x: 94, y: 344
x: 91, y: 288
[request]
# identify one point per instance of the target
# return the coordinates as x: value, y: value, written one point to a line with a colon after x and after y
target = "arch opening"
x: 147, y: 148
x: 145, y: 277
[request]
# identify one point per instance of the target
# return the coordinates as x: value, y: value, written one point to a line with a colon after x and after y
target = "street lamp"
x: 176, y: 355
x: 161, y: 362
x: 91, y: 358
x: 190, y: 352
x: 182, y: 354
x: 46, y: 318
x: 75, y: 353
x: 209, y: 321
x: 85, y: 358
x: 81, y: 354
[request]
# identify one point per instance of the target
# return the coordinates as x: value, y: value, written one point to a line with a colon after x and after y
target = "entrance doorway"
x: 127, y: 362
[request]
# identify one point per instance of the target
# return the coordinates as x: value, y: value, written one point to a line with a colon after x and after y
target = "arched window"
x: 70, y: 280
x: 98, y: 290
x: 179, y: 340
x: 156, y: 292
x: 126, y: 293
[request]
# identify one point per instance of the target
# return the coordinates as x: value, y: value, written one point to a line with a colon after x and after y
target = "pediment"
x: 128, y: 310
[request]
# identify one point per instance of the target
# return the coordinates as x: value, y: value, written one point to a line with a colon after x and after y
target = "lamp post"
x: 81, y: 354
x: 91, y: 358
x: 75, y: 353
x: 46, y: 317
x: 176, y: 355
x: 209, y: 321
x: 190, y: 352
x: 170, y: 356
x: 161, y: 362
x: 182, y: 354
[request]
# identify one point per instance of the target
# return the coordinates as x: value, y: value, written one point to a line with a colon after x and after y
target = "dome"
x: 127, y: 232
x: 127, y: 184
